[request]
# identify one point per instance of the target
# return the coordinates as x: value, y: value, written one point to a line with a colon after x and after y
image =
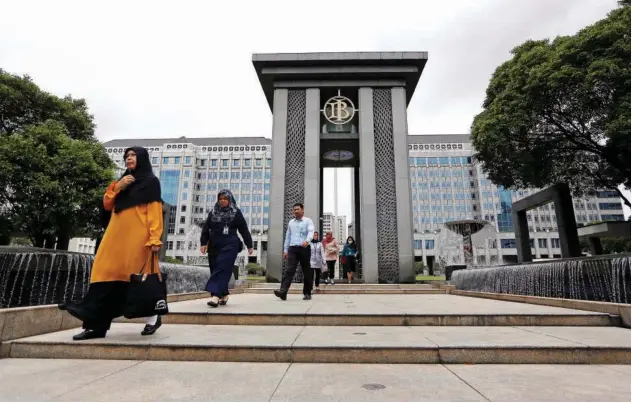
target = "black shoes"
x: 307, y: 297
x: 281, y: 295
x: 151, y: 329
x: 89, y: 334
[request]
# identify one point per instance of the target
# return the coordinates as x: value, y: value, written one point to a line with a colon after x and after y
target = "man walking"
x: 300, y: 232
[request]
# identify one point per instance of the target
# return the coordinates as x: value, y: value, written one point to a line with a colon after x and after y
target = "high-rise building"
x: 192, y: 171
x: 446, y: 185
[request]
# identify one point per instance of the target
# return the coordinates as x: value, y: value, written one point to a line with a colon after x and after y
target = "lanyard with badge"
x: 225, y: 232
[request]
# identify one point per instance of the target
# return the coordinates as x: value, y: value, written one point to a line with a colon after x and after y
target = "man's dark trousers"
x: 296, y: 255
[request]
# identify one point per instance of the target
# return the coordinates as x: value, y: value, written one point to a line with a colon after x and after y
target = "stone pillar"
x: 276, y: 232
x: 595, y: 246
x: 367, y: 194
x: 405, y: 242
x: 566, y: 224
x: 523, y: 244
x: 312, y: 156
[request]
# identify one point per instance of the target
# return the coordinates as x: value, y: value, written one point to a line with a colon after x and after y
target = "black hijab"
x: 146, y: 187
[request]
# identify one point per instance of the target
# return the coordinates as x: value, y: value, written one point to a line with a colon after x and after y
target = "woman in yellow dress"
x: 131, y: 239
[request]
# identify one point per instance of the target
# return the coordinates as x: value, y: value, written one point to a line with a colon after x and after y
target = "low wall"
x: 599, y: 278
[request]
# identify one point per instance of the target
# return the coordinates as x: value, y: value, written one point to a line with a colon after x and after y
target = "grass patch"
x: 421, y: 277
x: 255, y: 278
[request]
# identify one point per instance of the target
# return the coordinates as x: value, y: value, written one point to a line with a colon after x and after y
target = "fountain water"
x: 34, y: 276
x: 599, y: 278
x: 192, y: 246
x: 462, y: 238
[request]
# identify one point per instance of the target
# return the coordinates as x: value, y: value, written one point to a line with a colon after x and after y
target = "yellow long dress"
x: 126, y: 244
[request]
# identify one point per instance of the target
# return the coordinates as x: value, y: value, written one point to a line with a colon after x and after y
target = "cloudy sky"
x: 167, y: 69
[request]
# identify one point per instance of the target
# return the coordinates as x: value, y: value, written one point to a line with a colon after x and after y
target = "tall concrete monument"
x: 344, y: 110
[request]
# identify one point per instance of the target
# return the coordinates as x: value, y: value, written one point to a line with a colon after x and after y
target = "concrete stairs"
x: 353, y: 328
x: 353, y: 288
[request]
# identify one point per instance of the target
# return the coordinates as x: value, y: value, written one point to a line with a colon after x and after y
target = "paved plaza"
x: 112, y: 380
x: 382, y: 356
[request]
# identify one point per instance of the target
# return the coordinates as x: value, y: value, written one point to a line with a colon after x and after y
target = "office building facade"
x: 446, y: 184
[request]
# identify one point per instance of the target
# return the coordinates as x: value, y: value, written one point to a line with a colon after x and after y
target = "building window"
x: 508, y: 243
x: 236, y: 163
x: 608, y: 194
x: 609, y: 206
x: 177, y: 160
x: 268, y: 162
x: 184, y: 196
x: 225, y: 163
x: 612, y: 217
x: 213, y: 163
x: 185, y: 185
x: 154, y: 160
x: 187, y: 160
x: 183, y: 220
x: 183, y: 208
x: 417, y: 244
x: 247, y: 163
x: 187, y: 173
x: 542, y: 243
x: 430, y: 244
x: 555, y: 243
x: 258, y: 162
x: 165, y: 160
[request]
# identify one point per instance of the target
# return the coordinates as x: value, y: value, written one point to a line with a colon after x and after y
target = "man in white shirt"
x: 300, y: 231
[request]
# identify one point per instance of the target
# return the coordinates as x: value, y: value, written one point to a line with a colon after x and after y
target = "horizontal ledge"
x: 333, y: 354
x: 338, y: 83
x: 308, y: 319
x: 339, y: 70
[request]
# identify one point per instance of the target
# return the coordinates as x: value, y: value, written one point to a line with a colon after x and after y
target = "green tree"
x: 609, y: 245
x: 23, y: 103
x: 559, y: 111
x: 54, y: 183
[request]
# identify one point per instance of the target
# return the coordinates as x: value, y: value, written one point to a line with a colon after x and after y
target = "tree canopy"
x: 23, y: 103
x: 559, y: 111
x: 52, y: 169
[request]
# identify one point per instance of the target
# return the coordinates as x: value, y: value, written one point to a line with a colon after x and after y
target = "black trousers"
x: 317, y: 277
x: 331, y: 266
x: 298, y: 255
x: 103, y: 302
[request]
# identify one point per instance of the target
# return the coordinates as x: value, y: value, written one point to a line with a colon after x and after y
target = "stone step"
x: 347, y: 290
x: 340, y: 344
x: 379, y: 310
x: 219, y: 317
x: 353, y: 286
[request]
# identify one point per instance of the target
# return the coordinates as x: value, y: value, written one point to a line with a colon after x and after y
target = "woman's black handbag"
x: 147, y: 294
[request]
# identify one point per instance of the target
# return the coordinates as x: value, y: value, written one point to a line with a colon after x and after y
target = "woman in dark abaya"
x: 130, y: 242
x: 220, y: 234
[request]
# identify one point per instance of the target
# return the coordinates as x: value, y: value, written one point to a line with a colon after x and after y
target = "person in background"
x: 131, y: 240
x: 350, y: 252
x: 220, y: 231
x: 299, y: 234
x: 317, y: 259
x: 331, y: 256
